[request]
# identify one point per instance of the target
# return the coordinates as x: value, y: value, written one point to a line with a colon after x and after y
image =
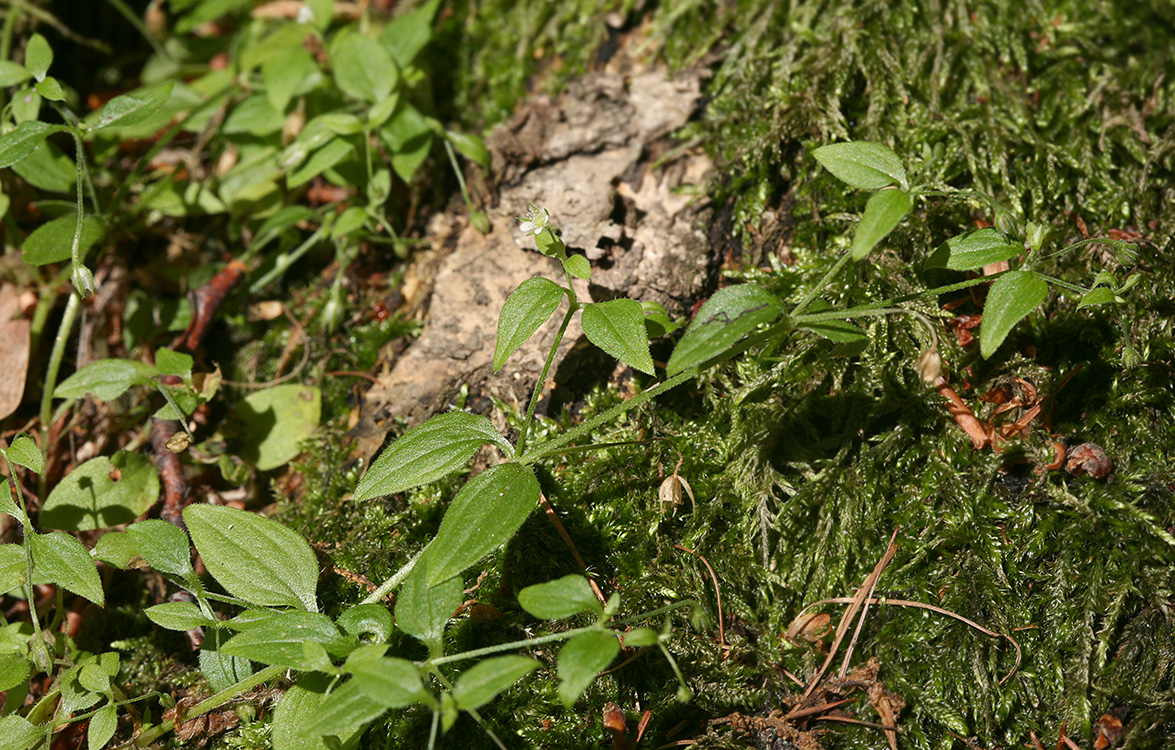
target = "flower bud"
x: 83, y: 280
x: 930, y: 365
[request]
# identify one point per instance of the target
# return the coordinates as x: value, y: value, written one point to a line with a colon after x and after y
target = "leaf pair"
x: 870, y: 166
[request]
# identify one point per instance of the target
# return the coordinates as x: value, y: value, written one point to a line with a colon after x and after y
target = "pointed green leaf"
x: 363, y: 69
x: 481, y: 684
x: 1012, y: 296
x: 525, y: 311
x: 12, y: 73
x: 13, y: 569
x: 129, y: 110
x: 101, y: 493
x: 368, y: 622
x: 278, y: 640
x: 17, y: 733
x: 177, y: 616
x: 979, y: 248
x: 24, y: 140
x: 428, y: 452
x: 1096, y: 296
x: 162, y: 545
x: 722, y: 322
x: 107, y: 379
x: 618, y: 327
x: 51, y: 89
x: 580, y: 659
x: 578, y: 266
x: 64, y: 561
x: 471, y: 147
x: 255, y: 558
x: 865, y: 165
x: 483, y: 516
x: 52, y: 242
x: 391, y: 682
x: 221, y: 670
x: 173, y: 363
x: 118, y: 548
x: 102, y: 726
x: 423, y: 611
x: 563, y: 597
x: 408, y: 33
x: 24, y: 452
x: 882, y: 213
x: 284, y: 73
x: 307, y: 711
x: 271, y: 424
x: 38, y: 56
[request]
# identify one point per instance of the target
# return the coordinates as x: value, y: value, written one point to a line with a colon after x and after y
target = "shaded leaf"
x: 272, y: 423
x: 107, y: 379
x: 861, y: 164
x: 563, y: 597
x: 255, y: 558
x: 363, y: 68
x: 391, y: 682
x: 979, y: 248
x: 101, y: 493
x: 278, y: 640
x: 422, y: 611
x: 483, y: 516
x: 24, y: 140
x: 1011, y: 297
x: 524, y: 312
x: 482, y: 683
x: 882, y: 213
x: 177, y: 616
x: 580, y: 659
x: 301, y: 710
x: 162, y: 545
x: 52, y: 242
x: 618, y: 327
x: 724, y: 319
x: 428, y: 452
x: 471, y: 146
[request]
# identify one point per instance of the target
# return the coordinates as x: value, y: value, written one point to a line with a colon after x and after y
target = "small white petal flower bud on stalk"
x: 930, y: 366
x: 83, y: 280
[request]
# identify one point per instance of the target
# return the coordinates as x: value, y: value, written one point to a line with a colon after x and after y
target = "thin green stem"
x: 63, y: 332
x: 40, y: 653
x: 133, y: 18
x: 814, y: 291
x: 6, y: 37
x: 224, y: 696
x: 284, y: 261
x: 512, y: 646
x: 654, y: 612
x: 387, y: 586
x: 457, y: 171
x: 538, y: 386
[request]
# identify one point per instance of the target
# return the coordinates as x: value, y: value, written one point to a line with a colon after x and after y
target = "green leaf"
x: 278, y: 640
x: 657, y: 320
x: 13, y: 569
x: 882, y: 213
x: 391, y: 682
x: 423, y: 611
x: 580, y: 659
x: 284, y: 73
x: 49, y: 169
x: 618, y: 327
x: 101, y: 493
x: 483, y: 516
x: 118, y: 548
x: 162, y: 545
x: 38, y: 56
x: 363, y: 69
x: 344, y: 715
x: 722, y: 321
x: 1097, y: 296
x: 12, y: 73
x: 24, y: 452
x: 26, y: 106
x: 348, y: 222
x: 371, y: 622
x: 102, y: 726
x: 64, y: 561
x: 471, y: 147
x: 408, y: 34
x: 302, y: 709
x: 14, y: 670
x: 525, y: 311
x: 979, y: 248
x: 428, y: 452
x: 129, y: 110
x: 52, y: 242
x: 255, y: 116
x: 861, y: 164
x: 173, y: 363
x: 24, y: 140
x: 484, y: 681
x: 408, y: 135
x: 177, y: 616
x: 321, y: 160
x: 221, y: 670
x: 107, y: 379
x: 563, y: 597
x: 640, y: 637
x: 50, y: 88
x: 254, y: 558
x: 16, y: 733
x: 578, y: 266
x: 271, y: 424
x: 1011, y: 297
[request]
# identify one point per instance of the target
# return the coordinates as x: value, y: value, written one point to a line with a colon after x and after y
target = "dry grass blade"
x: 850, y: 613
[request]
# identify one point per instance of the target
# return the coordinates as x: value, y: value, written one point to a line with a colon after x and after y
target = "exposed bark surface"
x: 587, y: 156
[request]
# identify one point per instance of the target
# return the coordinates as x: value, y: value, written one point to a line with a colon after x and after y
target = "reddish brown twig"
x: 717, y: 597
x: 205, y: 302
x: 963, y: 415
x: 571, y: 545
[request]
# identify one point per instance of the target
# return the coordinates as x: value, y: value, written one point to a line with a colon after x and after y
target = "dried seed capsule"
x: 1089, y: 458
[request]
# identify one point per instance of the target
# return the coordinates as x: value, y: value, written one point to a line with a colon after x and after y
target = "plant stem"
x: 224, y: 696
x: 814, y: 291
x: 538, y: 386
x: 63, y: 332
x: 394, y: 581
x: 513, y: 645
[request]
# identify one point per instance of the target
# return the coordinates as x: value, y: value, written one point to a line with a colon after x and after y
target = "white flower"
x: 305, y: 15
x: 83, y: 280
x: 535, y: 221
